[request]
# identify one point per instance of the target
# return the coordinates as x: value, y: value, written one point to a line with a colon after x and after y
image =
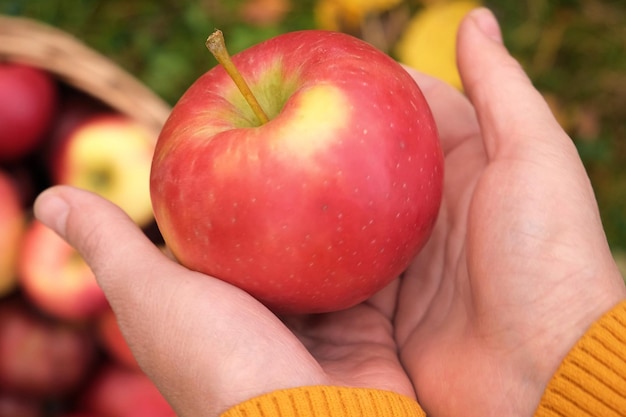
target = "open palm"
x: 518, y: 266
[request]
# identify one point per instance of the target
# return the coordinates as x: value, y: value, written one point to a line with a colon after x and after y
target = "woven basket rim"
x: 27, y: 41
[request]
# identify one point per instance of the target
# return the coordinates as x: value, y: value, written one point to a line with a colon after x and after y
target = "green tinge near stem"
x: 216, y: 44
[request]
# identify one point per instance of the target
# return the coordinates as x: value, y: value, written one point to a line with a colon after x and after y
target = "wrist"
x: 591, y: 378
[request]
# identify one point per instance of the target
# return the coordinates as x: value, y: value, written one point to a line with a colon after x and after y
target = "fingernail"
x: 52, y: 210
x: 487, y: 23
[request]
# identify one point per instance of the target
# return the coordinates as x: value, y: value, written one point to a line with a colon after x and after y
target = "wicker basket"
x: 71, y: 61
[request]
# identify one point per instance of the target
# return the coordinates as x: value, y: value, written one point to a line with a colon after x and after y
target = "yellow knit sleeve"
x: 328, y: 401
x: 591, y: 380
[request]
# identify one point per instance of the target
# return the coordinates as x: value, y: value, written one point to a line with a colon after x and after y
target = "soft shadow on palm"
x: 357, y: 347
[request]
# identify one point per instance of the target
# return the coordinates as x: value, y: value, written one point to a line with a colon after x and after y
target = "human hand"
x: 518, y: 266
x: 481, y: 319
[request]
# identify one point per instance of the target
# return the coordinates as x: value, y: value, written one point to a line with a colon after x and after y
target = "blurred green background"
x: 573, y: 50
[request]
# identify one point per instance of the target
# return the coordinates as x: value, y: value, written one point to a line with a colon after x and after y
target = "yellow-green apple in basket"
x: 313, y: 189
x: 109, y: 154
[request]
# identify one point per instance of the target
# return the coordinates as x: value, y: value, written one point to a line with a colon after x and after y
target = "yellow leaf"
x: 348, y: 14
x: 429, y: 41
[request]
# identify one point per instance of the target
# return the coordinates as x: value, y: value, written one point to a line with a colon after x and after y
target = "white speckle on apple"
x: 364, y: 131
x: 356, y: 190
x: 339, y: 216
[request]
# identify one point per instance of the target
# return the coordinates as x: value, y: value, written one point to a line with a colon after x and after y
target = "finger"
x: 205, y: 343
x: 511, y: 112
x: 103, y: 234
x: 452, y: 111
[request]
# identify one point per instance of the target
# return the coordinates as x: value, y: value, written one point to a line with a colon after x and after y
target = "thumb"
x: 205, y: 343
x: 512, y: 114
x: 103, y: 234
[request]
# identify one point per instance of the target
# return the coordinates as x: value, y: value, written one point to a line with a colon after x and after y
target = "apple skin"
x: 55, y: 278
x: 40, y: 356
x: 28, y: 100
x: 115, y: 391
x: 109, y: 154
x: 12, y: 228
x: 12, y: 405
x: 321, y: 207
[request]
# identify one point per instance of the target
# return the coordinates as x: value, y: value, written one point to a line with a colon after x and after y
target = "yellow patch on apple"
x: 312, y: 120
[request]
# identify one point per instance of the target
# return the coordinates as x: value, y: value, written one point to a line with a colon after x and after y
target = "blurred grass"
x: 573, y: 50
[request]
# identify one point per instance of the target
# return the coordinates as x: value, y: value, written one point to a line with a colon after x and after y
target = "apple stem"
x: 216, y: 44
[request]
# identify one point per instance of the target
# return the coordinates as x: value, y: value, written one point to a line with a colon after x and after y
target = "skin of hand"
x: 516, y: 270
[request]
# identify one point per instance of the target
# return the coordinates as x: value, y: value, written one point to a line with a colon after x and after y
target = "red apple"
x: 111, y: 339
x: 119, y: 392
x: 12, y: 227
x: 109, y: 154
x: 28, y: 99
x: 56, y: 278
x: 39, y: 356
x: 320, y: 207
x: 12, y: 405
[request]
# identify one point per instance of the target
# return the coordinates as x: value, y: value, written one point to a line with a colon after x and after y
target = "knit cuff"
x: 591, y: 380
x: 328, y: 401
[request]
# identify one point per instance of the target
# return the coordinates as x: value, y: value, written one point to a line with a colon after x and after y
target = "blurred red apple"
x: 28, y: 100
x: 56, y: 278
x: 109, y: 154
x: 119, y: 392
x: 12, y: 405
x: 39, y: 356
x: 12, y: 227
x: 111, y: 339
